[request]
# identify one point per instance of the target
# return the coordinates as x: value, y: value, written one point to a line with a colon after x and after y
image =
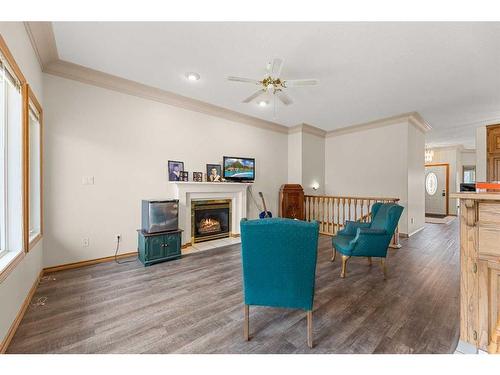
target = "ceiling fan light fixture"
x: 192, y: 76
x: 263, y: 103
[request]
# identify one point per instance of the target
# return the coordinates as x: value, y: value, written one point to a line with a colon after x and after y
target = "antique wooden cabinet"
x: 493, y: 156
x: 479, y: 272
x: 292, y: 201
x: 159, y: 247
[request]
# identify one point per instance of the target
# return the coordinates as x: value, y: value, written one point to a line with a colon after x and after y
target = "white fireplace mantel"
x: 187, y: 191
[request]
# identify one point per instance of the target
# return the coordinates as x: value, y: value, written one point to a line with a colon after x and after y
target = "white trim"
x: 413, y: 118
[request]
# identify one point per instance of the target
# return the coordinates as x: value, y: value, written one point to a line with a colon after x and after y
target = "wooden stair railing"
x: 333, y: 211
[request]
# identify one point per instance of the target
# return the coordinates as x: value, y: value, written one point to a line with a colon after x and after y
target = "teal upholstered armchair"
x: 371, y: 239
x: 279, y: 265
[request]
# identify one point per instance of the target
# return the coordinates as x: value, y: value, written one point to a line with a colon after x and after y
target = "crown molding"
x: 457, y: 147
x: 42, y: 38
x: 93, y: 77
x: 43, y: 41
x: 413, y: 118
x: 309, y: 129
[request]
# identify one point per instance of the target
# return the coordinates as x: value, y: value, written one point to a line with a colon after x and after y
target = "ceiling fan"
x: 273, y: 84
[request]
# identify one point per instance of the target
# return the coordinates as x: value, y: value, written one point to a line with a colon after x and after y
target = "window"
x: 11, y: 141
x: 469, y: 176
x: 431, y: 183
x: 33, y: 128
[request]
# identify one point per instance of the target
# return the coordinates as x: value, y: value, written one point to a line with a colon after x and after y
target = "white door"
x: 435, y: 190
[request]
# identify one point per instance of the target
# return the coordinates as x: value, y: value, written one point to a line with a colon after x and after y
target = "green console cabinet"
x: 159, y: 247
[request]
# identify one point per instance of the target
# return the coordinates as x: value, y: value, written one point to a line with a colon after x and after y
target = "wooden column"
x: 479, y: 270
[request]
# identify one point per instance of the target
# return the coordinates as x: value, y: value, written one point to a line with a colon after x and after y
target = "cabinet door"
x: 172, y: 243
x: 155, y: 247
x: 494, y: 139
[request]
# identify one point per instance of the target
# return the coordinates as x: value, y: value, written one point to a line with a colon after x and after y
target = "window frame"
x: 30, y: 97
x: 15, y: 70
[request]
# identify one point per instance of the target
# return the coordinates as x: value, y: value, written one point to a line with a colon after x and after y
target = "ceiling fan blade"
x: 300, y: 82
x: 275, y: 68
x: 246, y: 80
x: 285, y: 99
x: 254, y: 96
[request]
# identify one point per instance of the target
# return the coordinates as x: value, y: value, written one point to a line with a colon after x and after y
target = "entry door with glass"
x: 436, y: 190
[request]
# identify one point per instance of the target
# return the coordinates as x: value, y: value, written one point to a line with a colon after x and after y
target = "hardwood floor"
x: 194, y: 305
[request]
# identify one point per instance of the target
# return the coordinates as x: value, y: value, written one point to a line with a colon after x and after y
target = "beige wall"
x: 295, y: 158
x: 306, y: 161
x: 416, y: 179
x: 453, y: 157
x: 379, y: 162
x: 313, y: 163
x: 125, y: 142
x: 15, y: 288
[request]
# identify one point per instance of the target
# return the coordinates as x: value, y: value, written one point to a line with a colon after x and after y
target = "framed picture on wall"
x: 198, y: 176
x: 174, y: 170
x: 184, y: 176
x: 214, y: 173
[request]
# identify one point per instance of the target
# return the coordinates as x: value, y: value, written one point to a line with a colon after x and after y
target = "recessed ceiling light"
x: 263, y: 103
x: 192, y: 76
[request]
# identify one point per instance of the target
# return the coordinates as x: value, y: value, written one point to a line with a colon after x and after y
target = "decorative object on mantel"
x: 239, y: 169
x: 174, y: 170
x: 292, y: 201
x: 214, y: 173
x: 198, y: 176
x: 184, y: 176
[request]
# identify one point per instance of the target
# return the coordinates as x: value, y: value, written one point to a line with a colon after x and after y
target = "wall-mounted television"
x: 238, y: 169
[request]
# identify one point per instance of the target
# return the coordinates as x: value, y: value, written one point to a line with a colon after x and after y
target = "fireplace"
x: 210, y: 219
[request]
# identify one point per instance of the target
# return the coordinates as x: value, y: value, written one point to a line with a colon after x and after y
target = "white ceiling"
x: 448, y: 72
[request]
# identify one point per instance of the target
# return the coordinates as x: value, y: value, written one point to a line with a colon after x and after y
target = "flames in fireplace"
x: 209, y: 225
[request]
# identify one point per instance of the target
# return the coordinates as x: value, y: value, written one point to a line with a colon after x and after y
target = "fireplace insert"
x: 210, y: 219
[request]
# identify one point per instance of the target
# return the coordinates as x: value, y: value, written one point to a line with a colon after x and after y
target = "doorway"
x: 437, y: 178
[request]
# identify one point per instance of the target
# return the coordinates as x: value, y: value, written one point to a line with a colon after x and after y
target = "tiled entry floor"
x: 202, y: 246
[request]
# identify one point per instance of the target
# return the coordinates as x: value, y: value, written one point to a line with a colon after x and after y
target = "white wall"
x: 15, y: 288
x: 378, y: 162
x: 125, y: 142
x: 468, y: 158
x: 481, y: 154
x: 313, y: 163
x: 295, y: 158
x: 416, y: 179
x: 452, y: 156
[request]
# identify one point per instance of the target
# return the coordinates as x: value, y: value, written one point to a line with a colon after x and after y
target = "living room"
x: 220, y: 187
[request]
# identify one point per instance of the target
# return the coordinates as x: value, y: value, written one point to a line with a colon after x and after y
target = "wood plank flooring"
x: 194, y: 305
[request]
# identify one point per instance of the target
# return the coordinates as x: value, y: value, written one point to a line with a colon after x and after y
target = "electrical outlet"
x: 85, y: 242
x: 118, y: 236
x: 88, y: 180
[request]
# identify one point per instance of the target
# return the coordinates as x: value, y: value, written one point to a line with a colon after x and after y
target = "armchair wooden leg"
x: 310, y: 329
x: 246, y: 324
x: 369, y: 261
x: 334, y: 254
x: 384, y: 268
x: 344, y: 265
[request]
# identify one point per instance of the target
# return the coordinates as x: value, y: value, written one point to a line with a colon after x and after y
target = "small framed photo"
x: 174, y: 170
x: 214, y: 173
x: 198, y: 176
x: 184, y: 176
